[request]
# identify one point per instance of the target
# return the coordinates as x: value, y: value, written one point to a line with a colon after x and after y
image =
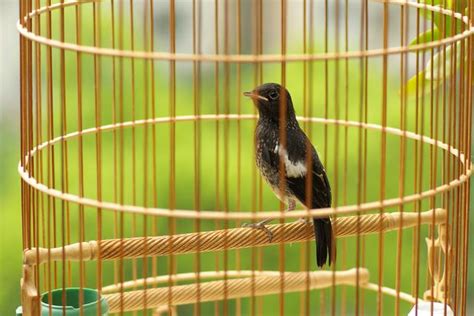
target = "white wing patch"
x: 293, y: 169
x: 276, y: 149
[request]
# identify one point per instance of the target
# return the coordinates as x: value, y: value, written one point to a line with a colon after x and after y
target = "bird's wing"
x: 320, y: 190
x: 297, y: 175
x: 269, y: 153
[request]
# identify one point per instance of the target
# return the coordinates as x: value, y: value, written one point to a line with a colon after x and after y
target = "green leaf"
x: 457, y: 5
x: 440, y: 59
x: 414, y: 82
x: 448, y: 24
x: 423, y: 84
x: 461, y: 5
x: 426, y: 37
x: 443, y: 24
x: 434, y: 2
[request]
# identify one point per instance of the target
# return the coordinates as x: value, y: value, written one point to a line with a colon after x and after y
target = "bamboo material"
x: 236, y: 288
x: 113, y: 288
x: 179, y: 213
x: 437, y: 251
x: 109, y: 289
x: 29, y: 295
x: 107, y: 150
x: 247, y: 58
x: 236, y: 238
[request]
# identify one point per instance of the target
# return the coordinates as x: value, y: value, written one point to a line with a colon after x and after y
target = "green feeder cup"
x: 71, y: 306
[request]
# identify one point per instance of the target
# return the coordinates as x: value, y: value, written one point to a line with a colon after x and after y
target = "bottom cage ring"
x: 240, y: 284
x: 259, y: 285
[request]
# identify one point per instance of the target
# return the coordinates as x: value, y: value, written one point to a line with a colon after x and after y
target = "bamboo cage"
x: 137, y: 155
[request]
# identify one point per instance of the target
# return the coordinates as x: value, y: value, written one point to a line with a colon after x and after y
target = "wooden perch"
x: 236, y: 238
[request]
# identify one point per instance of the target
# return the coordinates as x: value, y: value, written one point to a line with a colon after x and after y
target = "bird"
x: 270, y: 99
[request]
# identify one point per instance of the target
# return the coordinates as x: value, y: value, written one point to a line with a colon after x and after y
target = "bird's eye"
x: 273, y: 95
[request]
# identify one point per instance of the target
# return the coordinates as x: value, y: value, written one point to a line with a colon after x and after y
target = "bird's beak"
x: 254, y: 96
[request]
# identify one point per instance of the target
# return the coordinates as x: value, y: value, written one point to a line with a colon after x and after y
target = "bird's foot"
x: 261, y: 226
x: 304, y: 220
x: 291, y: 205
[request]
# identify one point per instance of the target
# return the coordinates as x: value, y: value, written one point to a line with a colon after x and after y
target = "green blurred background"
x: 10, y: 221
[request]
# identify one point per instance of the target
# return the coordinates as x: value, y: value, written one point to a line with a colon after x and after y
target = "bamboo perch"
x: 235, y: 238
x: 232, y: 289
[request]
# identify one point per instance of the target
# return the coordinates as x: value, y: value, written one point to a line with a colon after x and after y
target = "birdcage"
x: 137, y: 156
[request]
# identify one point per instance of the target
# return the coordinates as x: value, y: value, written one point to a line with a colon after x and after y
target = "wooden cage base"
x: 235, y: 238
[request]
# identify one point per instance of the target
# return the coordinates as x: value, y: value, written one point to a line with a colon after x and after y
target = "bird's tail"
x: 324, y: 241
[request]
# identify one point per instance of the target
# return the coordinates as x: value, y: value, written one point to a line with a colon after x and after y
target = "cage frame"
x: 294, y: 232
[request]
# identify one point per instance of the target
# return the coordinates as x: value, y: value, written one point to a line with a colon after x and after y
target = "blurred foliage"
x: 10, y: 219
x: 438, y: 68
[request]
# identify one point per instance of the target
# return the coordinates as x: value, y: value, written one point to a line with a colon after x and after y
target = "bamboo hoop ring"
x: 220, y: 215
x: 234, y: 288
x: 206, y: 275
x: 180, y: 277
x: 260, y: 283
x: 233, y: 58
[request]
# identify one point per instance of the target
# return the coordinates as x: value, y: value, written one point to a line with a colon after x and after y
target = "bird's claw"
x: 260, y: 226
x: 304, y: 220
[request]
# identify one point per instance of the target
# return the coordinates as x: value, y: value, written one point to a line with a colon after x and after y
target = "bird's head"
x: 270, y: 98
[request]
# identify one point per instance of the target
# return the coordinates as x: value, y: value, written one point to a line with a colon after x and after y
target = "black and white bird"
x: 269, y: 99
